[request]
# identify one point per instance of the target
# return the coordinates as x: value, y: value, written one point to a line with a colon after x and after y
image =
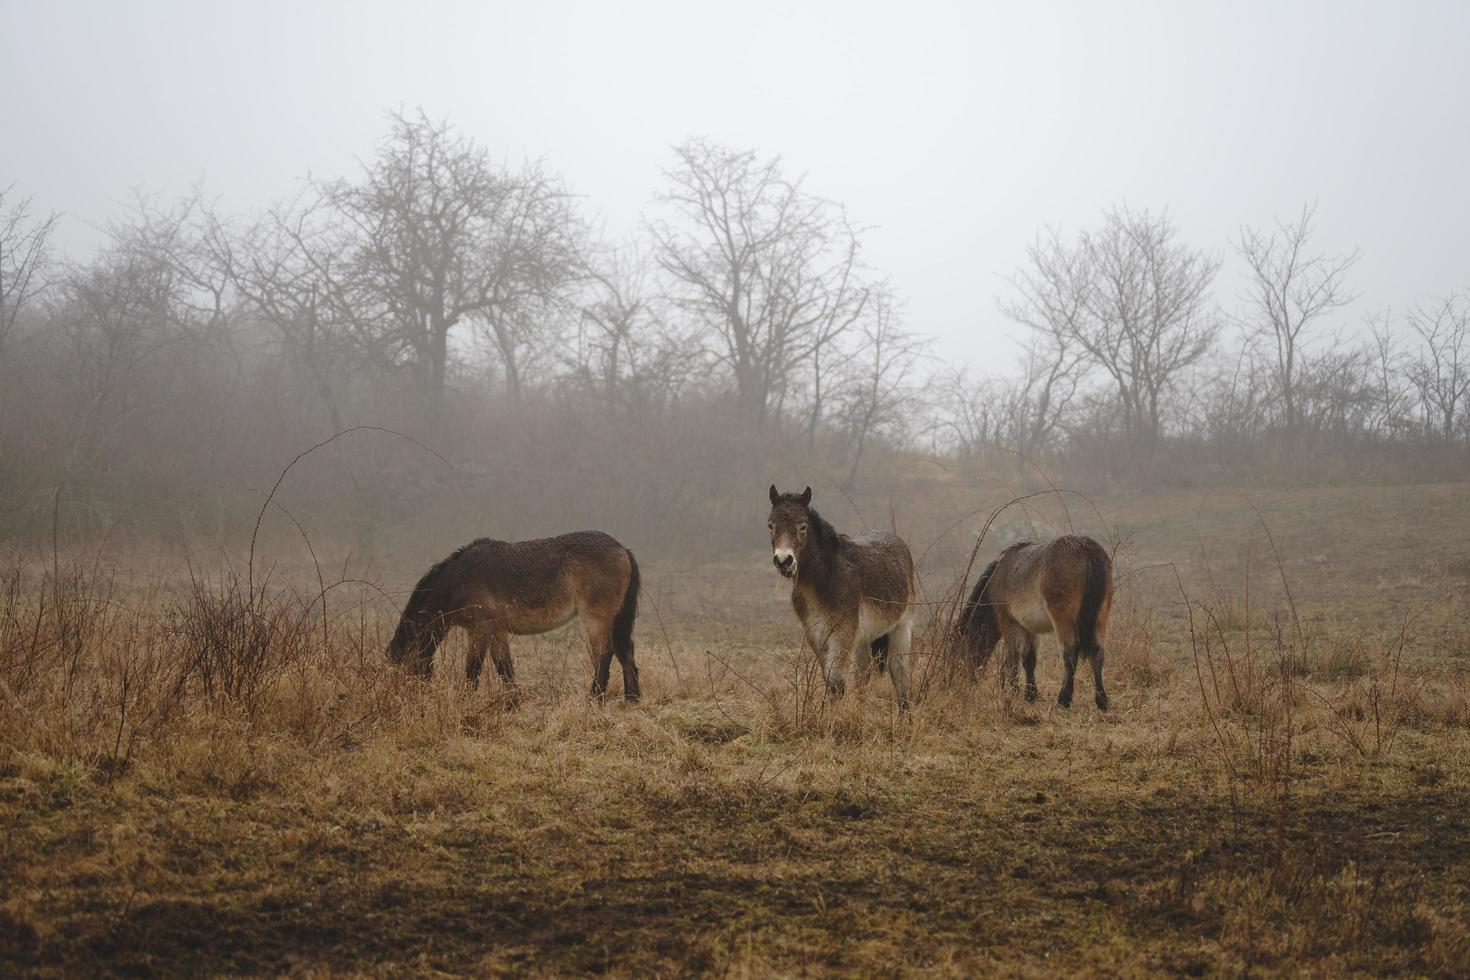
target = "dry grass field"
x: 200, y: 778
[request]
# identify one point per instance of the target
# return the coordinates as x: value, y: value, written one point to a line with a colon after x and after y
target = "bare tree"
x: 1234, y: 411
x: 1132, y: 300
x: 179, y: 238
x: 1290, y: 291
x: 1051, y: 371
x: 625, y: 349
x: 1389, y: 378
x: 25, y: 254
x: 533, y: 256
x: 1024, y: 414
x: 1338, y: 391
x: 1441, y: 373
x: 443, y: 237
x: 292, y: 271
x: 877, y: 396
x: 768, y: 270
x: 834, y: 360
x: 969, y: 415
x: 115, y: 319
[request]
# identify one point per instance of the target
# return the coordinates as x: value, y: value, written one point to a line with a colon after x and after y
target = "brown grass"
x: 200, y: 775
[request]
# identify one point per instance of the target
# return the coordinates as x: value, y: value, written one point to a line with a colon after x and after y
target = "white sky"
x: 955, y: 130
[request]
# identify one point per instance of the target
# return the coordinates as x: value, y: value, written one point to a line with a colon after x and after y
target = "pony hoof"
x: 1065, y: 700
x: 1031, y: 693
x: 1102, y: 701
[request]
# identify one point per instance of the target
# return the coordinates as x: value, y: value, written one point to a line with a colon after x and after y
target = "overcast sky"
x: 955, y: 131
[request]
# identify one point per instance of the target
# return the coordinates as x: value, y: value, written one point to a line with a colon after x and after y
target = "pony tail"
x: 622, y: 632
x: 977, y: 631
x: 1095, y: 592
x: 622, y: 629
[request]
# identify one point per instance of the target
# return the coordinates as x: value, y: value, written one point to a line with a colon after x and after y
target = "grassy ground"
x: 1283, y: 790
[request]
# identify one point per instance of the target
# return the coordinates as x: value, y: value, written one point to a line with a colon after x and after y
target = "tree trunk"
x: 438, y: 355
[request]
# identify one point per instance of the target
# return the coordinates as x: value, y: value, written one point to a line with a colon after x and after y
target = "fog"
x: 953, y: 131
x: 561, y: 265
x: 374, y: 376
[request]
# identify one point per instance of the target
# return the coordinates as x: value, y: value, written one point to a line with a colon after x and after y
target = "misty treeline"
x: 536, y: 376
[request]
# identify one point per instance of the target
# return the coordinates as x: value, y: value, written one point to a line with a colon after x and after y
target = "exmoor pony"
x: 498, y: 589
x: 1064, y: 586
x: 853, y: 595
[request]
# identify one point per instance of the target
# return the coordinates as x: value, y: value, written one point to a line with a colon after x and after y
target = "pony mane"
x: 420, y: 608
x: 821, y: 532
x: 439, y: 566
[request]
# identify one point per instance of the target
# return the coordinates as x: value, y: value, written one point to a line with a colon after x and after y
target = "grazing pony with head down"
x: 499, y: 589
x: 853, y: 595
x: 1063, y: 586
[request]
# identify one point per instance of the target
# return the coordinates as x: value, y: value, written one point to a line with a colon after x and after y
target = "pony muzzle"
x: 785, y: 563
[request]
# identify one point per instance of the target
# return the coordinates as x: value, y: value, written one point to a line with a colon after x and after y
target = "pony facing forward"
x: 853, y: 595
x: 1064, y: 586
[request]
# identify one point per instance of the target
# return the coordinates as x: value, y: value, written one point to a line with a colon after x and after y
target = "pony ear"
x: 806, y: 496
x: 775, y: 496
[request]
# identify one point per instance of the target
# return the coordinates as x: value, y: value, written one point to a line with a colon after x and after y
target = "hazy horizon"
x: 954, y: 135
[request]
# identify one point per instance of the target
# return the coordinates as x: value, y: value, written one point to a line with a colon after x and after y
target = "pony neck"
x: 822, y: 544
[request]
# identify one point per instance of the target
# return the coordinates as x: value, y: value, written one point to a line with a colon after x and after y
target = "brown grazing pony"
x: 1064, y: 586
x: 499, y: 589
x: 853, y: 595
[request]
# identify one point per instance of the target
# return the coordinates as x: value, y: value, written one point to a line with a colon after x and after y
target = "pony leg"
x: 1069, y: 674
x: 838, y: 651
x: 862, y: 665
x: 624, y: 653
x: 900, y: 638
x: 879, y: 653
x: 1077, y: 644
x: 1011, y: 667
x: 1100, y: 694
x: 499, y: 645
x: 474, y: 660
x: 1064, y: 622
x: 1027, y: 643
x: 600, y: 643
x: 832, y: 671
